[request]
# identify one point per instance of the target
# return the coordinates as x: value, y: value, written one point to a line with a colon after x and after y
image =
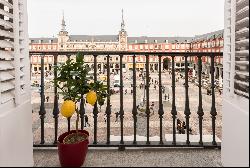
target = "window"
x: 177, y: 46
x: 173, y: 46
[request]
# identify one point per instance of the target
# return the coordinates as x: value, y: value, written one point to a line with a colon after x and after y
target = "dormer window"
x: 155, y: 41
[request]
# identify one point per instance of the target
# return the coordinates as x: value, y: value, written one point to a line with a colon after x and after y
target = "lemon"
x: 68, y: 108
x: 91, y: 97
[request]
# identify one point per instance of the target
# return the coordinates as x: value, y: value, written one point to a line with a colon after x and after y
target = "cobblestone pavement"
x: 128, y: 117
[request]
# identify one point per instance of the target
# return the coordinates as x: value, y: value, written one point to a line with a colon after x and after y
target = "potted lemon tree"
x: 74, y: 84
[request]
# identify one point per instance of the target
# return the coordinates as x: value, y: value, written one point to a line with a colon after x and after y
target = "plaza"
x: 128, y: 105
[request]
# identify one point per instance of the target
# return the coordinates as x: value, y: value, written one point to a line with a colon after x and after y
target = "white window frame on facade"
x: 130, y: 47
x: 141, y: 47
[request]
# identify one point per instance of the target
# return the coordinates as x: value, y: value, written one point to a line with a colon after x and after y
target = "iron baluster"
x: 42, y: 111
x: 200, y: 109
x: 108, y: 108
x: 55, y: 109
x: 134, y: 111
x: 121, y: 99
x: 187, y: 109
x: 213, y: 108
x: 160, y: 111
x: 173, y: 111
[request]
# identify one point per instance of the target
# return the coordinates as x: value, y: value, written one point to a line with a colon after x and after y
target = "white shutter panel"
x: 7, y: 68
x: 241, y: 80
x: 14, y: 57
x: 236, y: 46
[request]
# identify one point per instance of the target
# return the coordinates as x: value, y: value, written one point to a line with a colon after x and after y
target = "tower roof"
x: 123, y: 23
x: 63, y: 23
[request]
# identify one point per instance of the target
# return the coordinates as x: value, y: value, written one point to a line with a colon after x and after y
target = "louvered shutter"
x: 236, y: 48
x: 241, y: 79
x: 14, y: 58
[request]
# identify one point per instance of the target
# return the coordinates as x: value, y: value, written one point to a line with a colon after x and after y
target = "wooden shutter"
x: 236, y: 48
x: 241, y: 78
x: 14, y: 58
x: 7, y: 65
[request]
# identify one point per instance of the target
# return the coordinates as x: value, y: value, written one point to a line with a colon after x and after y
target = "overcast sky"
x: 142, y: 17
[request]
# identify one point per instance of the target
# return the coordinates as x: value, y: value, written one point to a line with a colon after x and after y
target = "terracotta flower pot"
x: 72, y: 155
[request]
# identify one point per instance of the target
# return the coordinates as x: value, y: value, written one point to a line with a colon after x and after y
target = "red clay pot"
x: 72, y: 155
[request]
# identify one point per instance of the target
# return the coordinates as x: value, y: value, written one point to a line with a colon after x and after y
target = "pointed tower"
x: 63, y: 35
x: 123, y: 36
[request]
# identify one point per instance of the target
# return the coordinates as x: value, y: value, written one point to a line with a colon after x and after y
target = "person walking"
x: 179, y: 125
x: 152, y: 107
x: 47, y: 98
x: 86, y: 120
x: 116, y: 116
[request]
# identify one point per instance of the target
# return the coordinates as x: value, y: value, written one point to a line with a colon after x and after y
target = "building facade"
x: 211, y: 42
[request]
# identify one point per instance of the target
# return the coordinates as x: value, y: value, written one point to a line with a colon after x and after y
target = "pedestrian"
x: 168, y: 96
x: 105, y: 117
x: 184, y: 125
x: 155, y: 87
x: 182, y: 130
x: 126, y: 91
x: 116, y: 116
x: 165, y: 96
x: 86, y: 120
x: 190, y: 131
x: 179, y: 127
x: 47, y: 98
x: 152, y: 107
x: 178, y: 121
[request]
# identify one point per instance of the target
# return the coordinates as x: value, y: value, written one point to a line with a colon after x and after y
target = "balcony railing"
x: 173, y: 142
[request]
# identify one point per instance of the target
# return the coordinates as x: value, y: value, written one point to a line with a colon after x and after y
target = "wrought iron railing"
x: 122, y: 144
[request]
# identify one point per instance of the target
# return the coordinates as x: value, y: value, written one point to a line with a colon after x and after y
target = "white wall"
x: 16, y: 140
x: 235, y: 133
